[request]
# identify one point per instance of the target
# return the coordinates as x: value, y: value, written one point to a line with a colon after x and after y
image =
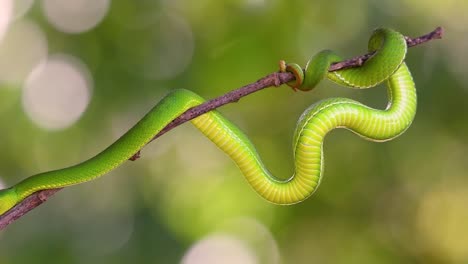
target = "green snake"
x: 376, y: 125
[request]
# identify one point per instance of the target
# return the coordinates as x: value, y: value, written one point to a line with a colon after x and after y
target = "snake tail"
x: 315, y: 123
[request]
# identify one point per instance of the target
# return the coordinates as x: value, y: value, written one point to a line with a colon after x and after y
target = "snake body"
x: 319, y: 119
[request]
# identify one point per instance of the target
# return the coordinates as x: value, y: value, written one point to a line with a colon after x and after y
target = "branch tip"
x: 272, y: 80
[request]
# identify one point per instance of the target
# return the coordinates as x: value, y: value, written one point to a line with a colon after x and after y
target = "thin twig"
x: 272, y: 80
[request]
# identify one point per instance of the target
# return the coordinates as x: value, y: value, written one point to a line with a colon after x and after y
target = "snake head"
x: 8, y: 199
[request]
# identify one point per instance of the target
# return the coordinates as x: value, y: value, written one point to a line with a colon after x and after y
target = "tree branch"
x: 272, y: 80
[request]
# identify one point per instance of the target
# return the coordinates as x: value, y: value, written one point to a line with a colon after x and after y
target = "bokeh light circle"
x: 75, y: 16
x: 161, y: 46
x: 255, y: 3
x: 256, y: 235
x: 57, y: 92
x: 219, y: 248
x: 21, y: 7
x: 6, y: 10
x: 103, y: 220
x: 22, y: 48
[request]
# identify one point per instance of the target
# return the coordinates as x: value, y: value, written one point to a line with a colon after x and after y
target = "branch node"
x: 135, y: 156
x: 275, y: 79
x: 42, y: 196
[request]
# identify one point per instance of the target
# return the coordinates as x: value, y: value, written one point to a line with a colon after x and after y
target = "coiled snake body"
x: 376, y: 125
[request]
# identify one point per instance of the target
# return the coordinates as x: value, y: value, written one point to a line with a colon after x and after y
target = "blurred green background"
x: 76, y: 74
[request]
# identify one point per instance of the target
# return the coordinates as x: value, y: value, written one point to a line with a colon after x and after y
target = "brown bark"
x: 271, y: 80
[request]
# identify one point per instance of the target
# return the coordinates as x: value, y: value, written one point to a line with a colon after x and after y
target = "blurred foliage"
x: 404, y: 201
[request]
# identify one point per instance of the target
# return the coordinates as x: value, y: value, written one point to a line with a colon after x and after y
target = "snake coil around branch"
x: 384, y: 64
